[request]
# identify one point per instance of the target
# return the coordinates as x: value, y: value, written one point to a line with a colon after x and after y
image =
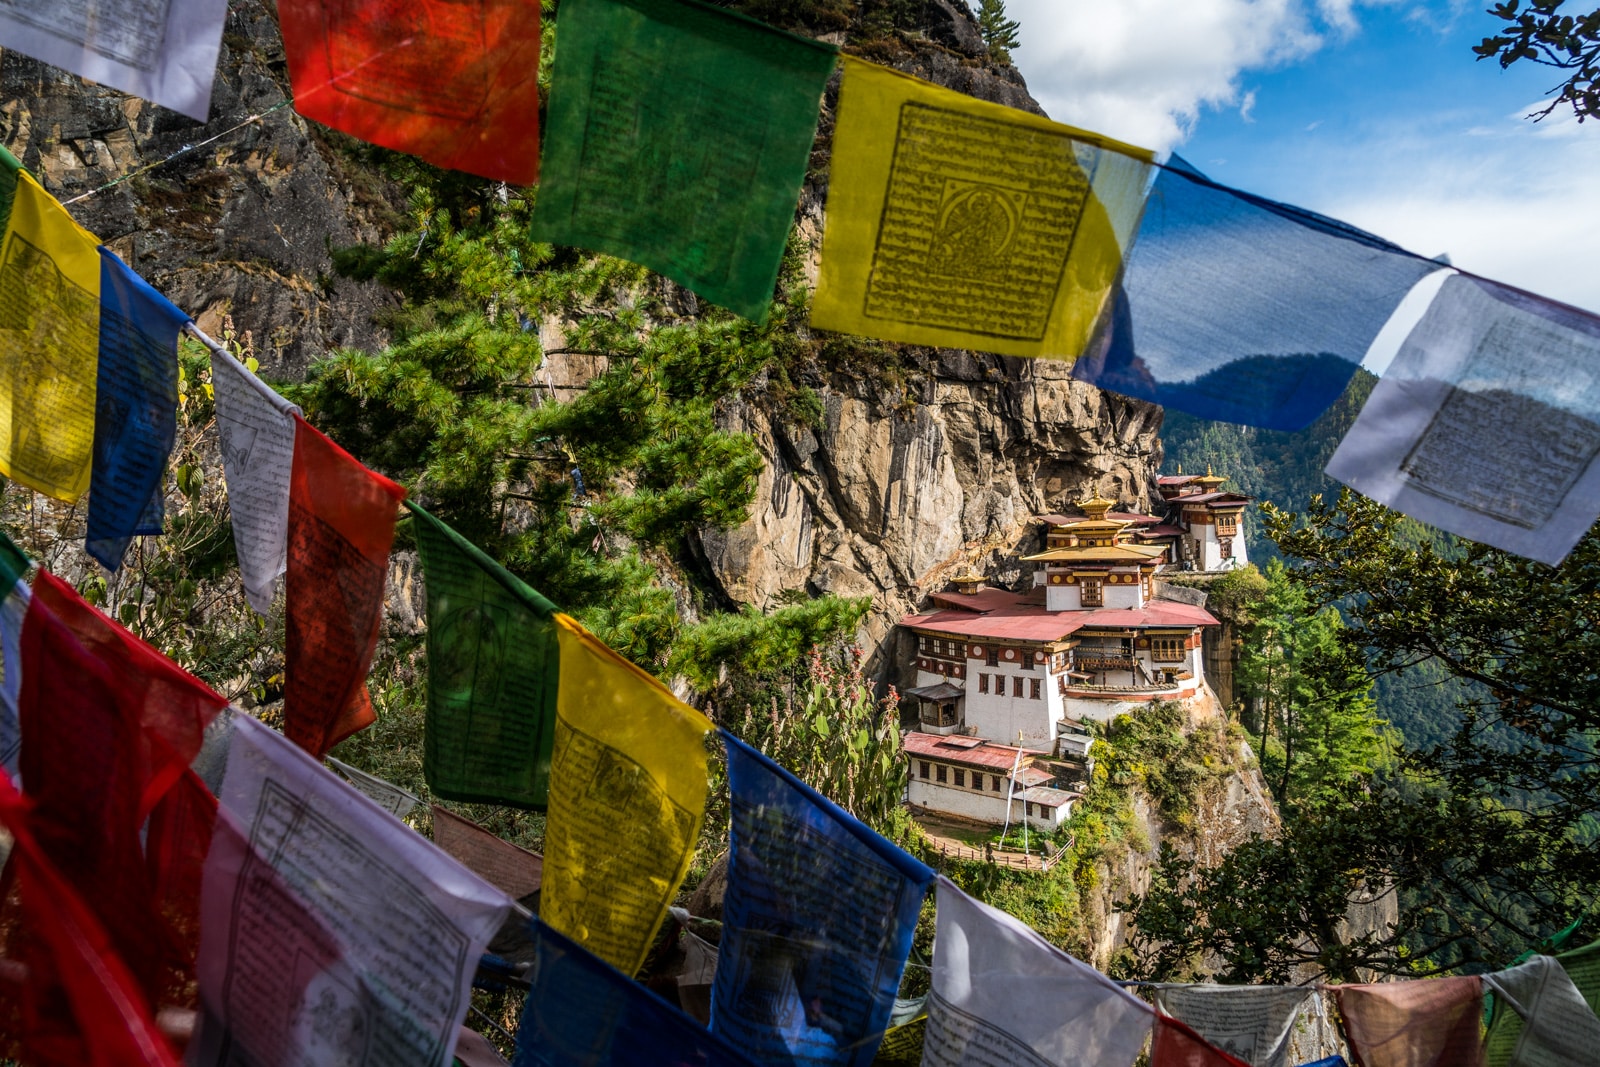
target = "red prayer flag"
x: 109, y: 727
x: 1432, y: 1022
x: 341, y: 526
x: 65, y: 996
x: 1176, y: 1045
x: 454, y: 83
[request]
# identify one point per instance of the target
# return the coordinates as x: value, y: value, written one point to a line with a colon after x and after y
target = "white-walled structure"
x: 977, y: 779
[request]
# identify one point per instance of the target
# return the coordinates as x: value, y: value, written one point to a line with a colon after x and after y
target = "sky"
x: 1376, y: 113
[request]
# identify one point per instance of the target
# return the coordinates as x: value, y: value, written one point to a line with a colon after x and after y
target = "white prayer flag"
x: 1251, y: 1022
x: 162, y: 50
x: 1004, y: 997
x: 388, y: 796
x: 12, y: 611
x: 256, y: 427
x: 1558, y: 1026
x: 1487, y: 423
x: 329, y: 932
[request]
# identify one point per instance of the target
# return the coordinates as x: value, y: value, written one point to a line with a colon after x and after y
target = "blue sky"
x: 1375, y: 113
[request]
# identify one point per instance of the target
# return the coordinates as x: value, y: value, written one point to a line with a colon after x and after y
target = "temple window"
x: 1093, y: 597
x: 1033, y: 689
x: 1167, y: 649
x: 923, y: 768
x: 939, y: 772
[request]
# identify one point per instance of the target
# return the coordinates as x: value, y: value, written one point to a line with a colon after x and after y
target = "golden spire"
x: 1211, y: 480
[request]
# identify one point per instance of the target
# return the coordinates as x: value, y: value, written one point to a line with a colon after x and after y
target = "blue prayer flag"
x: 1331, y: 1061
x: 816, y: 922
x: 135, y: 410
x: 1238, y: 308
x: 583, y: 1011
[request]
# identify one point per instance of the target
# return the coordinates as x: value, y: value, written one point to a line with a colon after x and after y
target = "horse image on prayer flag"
x: 494, y: 669
x: 453, y: 83
x: 627, y: 797
x: 49, y: 339
x: 679, y: 138
x: 965, y: 224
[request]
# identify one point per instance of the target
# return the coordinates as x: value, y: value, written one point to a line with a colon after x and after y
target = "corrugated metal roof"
x: 1050, y: 798
x: 1090, y: 553
x: 942, y: 691
x: 988, y: 755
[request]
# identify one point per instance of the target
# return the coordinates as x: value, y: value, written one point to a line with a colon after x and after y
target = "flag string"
x: 185, y: 150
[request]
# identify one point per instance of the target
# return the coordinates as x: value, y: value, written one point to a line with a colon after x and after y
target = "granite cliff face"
x: 903, y: 483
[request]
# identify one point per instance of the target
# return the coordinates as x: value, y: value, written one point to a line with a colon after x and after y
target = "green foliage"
x: 1541, y: 32
x: 762, y: 648
x: 1155, y: 749
x: 1000, y: 33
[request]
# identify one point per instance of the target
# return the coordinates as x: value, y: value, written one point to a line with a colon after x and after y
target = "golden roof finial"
x: 1211, y: 479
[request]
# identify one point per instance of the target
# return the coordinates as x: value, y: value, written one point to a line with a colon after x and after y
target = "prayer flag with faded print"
x: 1487, y: 422
x: 341, y: 527
x: 456, y: 84
x: 1252, y: 1022
x: 964, y: 224
x: 816, y: 923
x: 49, y: 339
x: 627, y: 797
x: 69, y: 1001
x: 1003, y: 994
x: 679, y: 136
x: 14, y: 597
x: 494, y: 669
x: 136, y: 402
x: 513, y: 870
x: 1176, y: 1045
x: 1237, y: 308
x: 1431, y: 1021
x: 582, y: 1012
x: 1534, y: 1012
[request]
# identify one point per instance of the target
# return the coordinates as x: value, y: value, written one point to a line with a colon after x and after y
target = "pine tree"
x: 999, y: 32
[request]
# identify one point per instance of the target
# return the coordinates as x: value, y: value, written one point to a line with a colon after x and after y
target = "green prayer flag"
x: 494, y: 667
x: 1582, y: 966
x: 13, y: 565
x: 678, y: 137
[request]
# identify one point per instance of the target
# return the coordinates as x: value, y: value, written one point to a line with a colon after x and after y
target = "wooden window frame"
x: 1092, y: 592
x: 1169, y: 649
x: 923, y: 768
x: 961, y: 777
x: 1033, y: 689
x: 983, y: 683
x: 1016, y: 687
x: 940, y: 773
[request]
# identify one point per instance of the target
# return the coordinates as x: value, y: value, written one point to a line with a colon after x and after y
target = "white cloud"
x: 1142, y: 70
x: 1247, y: 105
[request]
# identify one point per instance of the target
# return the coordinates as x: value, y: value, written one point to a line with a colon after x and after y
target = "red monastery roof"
x: 1161, y: 530
x: 972, y: 751
x: 1012, y: 618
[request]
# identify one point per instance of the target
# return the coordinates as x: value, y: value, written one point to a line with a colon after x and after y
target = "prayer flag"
x: 1003, y: 994
x: 902, y: 1044
x: 1176, y: 1045
x: 74, y: 1003
x: 627, y: 796
x: 49, y: 338
x: 1487, y: 422
x: 1252, y: 1022
x: 1237, y: 308
x: 331, y: 934
x: 255, y: 433
x: 581, y: 1012
x: 679, y: 138
x: 494, y: 664
x: 1558, y: 1025
x: 1509, y: 1032
x: 515, y: 871
x: 14, y: 597
x: 474, y: 1050
x: 388, y: 796
x: 964, y: 224
x: 135, y: 418
x: 1431, y: 1022
x: 162, y: 50
x: 109, y: 727
x: 341, y: 526
x: 456, y: 84
x: 1331, y: 1061
x: 816, y: 922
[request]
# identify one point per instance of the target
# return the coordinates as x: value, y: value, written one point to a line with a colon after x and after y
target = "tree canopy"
x: 1542, y: 32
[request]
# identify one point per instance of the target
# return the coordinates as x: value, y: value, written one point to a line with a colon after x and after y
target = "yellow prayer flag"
x: 49, y: 344
x: 627, y: 796
x: 964, y: 224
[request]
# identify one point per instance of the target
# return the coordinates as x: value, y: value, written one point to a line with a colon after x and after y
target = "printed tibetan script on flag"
x: 341, y: 526
x: 627, y: 796
x: 1176, y: 1045
x: 679, y: 137
x: 49, y: 339
x: 515, y: 871
x: 494, y: 664
x: 582, y: 1012
x: 136, y: 402
x: 1531, y: 1025
x: 1399, y: 1024
x: 454, y: 83
x: 162, y: 50
x: 816, y: 922
x: 1487, y: 423
x: 964, y: 224
x: 331, y: 933
x: 255, y: 433
x: 1004, y: 997
x: 1241, y: 309
x: 1252, y: 1022
x: 388, y: 796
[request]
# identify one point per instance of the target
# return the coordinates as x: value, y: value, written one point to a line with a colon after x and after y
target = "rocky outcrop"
x: 240, y: 228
